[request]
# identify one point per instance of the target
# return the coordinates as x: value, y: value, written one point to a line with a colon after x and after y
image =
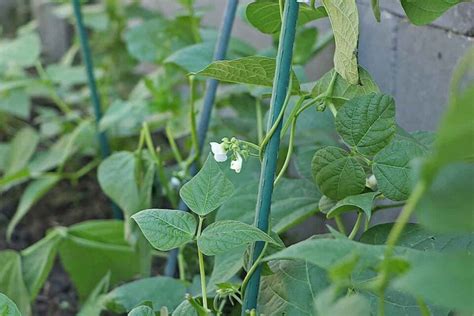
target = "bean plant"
x: 331, y: 147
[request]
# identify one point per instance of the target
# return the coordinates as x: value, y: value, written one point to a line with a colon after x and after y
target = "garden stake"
x: 280, y: 88
x: 203, y: 124
x: 95, y: 100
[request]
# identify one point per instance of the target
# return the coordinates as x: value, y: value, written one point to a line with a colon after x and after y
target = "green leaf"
x: 293, y: 201
x: 8, y: 307
x: 364, y: 202
x: 37, y: 262
x: 93, y: 248
x: 342, y: 90
x: 351, y: 304
x: 11, y: 281
x: 166, y: 229
x: 22, y: 147
x: 193, y: 58
x: 304, y: 43
x: 16, y: 102
x: 67, y: 75
x: 367, y: 122
x: 32, y: 194
x: 256, y: 70
x: 160, y: 291
x: 337, y: 174
x: 265, y: 15
x: 142, y: 311
x: 23, y: 51
x: 223, y: 236
x: 392, y: 169
x: 417, y: 237
x: 447, y: 204
x: 226, y: 266
x: 445, y: 280
x: 376, y: 9
x: 344, y: 19
x: 292, y: 288
x: 185, y: 309
x: 423, y: 12
x: 119, y: 177
x: 93, y: 305
x: 207, y: 190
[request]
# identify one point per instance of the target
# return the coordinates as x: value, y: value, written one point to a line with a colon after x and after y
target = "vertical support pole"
x: 95, y: 99
x: 269, y: 163
x: 203, y: 124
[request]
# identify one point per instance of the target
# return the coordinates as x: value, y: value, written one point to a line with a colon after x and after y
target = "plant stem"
x: 289, y: 153
x: 54, y: 94
x: 293, y: 113
x: 340, y: 224
x: 252, y: 269
x: 181, y: 264
x: 159, y: 165
x: 174, y: 146
x: 202, y: 271
x: 258, y: 110
x: 194, y: 136
x: 356, y: 227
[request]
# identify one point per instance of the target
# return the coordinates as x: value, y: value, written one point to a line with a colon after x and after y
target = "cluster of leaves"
x: 348, y: 152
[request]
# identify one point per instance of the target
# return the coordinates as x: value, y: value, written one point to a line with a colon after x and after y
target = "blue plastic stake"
x: 269, y: 163
x: 87, y: 57
x: 203, y: 124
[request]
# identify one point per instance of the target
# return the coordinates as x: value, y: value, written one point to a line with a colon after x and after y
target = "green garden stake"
x: 95, y: 99
x: 280, y: 88
x: 203, y: 124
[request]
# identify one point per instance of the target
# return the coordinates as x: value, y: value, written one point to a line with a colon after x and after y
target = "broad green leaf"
x: 337, y: 174
x: 364, y: 202
x: 344, y: 19
x: 124, y: 118
x: 16, y: 178
x: 292, y: 288
x: 93, y: 305
x: 455, y: 134
x: 425, y: 138
x: 223, y: 236
x: 226, y: 266
x: 304, y: 43
x: 23, y: 51
x: 265, y: 15
x: 8, y: 307
x: 423, y: 12
x: 367, y: 122
x: 118, y: 178
x: 293, y: 200
x: 445, y: 280
x: 149, y: 41
x: 90, y: 251
x: 160, y: 291
x: 166, y: 229
x: 67, y: 75
x: 32, y: 194
x: 417, y: 237
x: 392, y: 169
x: 185, y: 309
x: 22, y: 147
x: 142, y: 311
x: 37, y: 262
x: 256, y: 70
x: 447, y: 206
x: 351, y: 304
x: 11, y: 281
x: 16, y: 102
x: 207, y: 190
x: 193, y: 58
x: 344, y: 91
x: 376, y: 9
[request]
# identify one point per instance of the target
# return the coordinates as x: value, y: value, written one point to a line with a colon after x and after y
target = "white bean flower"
x: 219, y: 152
x: 236, y: 164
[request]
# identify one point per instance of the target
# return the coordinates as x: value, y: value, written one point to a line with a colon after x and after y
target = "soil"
x: 65, y: 205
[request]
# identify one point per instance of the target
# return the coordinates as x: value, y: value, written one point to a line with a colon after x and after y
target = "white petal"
x: 217, y: 149
x: 236, y: 164
x: 220, y: 157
